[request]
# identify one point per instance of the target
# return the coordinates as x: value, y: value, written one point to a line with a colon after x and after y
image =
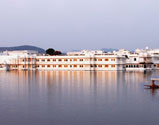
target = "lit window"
x: 106, y: 66
x: 65, y: 66
x: 99, y: 59
x: 112, y: 59
x: 100, y: 66
x: 113, y: 66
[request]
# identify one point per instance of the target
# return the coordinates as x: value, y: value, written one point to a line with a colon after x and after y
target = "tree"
x: 57, y: 53
x: 50, y: 51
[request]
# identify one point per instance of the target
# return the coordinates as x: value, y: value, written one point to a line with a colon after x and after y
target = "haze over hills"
x: 23, y: 47
x: 41, y: 50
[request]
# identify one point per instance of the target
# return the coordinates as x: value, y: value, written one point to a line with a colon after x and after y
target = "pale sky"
x: 80, y: 24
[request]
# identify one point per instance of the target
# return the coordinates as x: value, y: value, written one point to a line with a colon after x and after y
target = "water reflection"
x: 77, y: 97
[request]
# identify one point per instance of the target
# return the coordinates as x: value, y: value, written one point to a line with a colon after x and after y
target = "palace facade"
x: 140, y: 59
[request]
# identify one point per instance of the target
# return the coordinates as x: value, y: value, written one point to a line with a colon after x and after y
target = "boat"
x: 153, y: 86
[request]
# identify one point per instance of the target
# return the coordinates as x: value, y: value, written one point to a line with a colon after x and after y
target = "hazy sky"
x: 80, y: 24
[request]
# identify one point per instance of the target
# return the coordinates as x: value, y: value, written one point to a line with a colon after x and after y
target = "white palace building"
x: 139, y: 60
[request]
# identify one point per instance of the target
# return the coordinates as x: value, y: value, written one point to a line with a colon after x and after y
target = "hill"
x: 24, y: 47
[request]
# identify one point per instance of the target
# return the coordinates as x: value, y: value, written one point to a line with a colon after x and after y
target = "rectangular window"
x: 112, y: 59
x: 74, y: 59
x: 48, y: 66
x: 75, y: 66
x: 134, y: 59
x: 92, y: 65
x: 113, y: 66
x: 81, y: 59
x: 54, y: 66
x: 106, y: 66
x: 65, y: 66
x: 48, y: 60
x: 81, y: 66
x: 43, y: 66
x: 60, y: 60
x: 54, y: 60
x: 99, y: 66
x: 60, y: 66
x: 66, y: 60
x: 99, y: 59
x: 106, y: 59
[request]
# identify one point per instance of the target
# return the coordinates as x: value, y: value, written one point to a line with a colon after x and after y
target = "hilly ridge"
x: 23, y: 47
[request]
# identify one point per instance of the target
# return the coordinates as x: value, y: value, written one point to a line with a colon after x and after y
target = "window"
x: 60, y: 60
x: 99, y: 59
x: 54, y: 60
x: 43, y: 66
x: 106, y: 59
x: 106, y: 66
x: 48, y: 60
x: 43, y: 60
x: 54, y: 65
x: 81, y: 59
x: 65, y: 59
x: 60, y: 66
x: 48, y: 66
x: 112, y: 59
x: 113, y: 66
x: 75, y: 66
x: 91, y: 65
x: 99, y: 66
x: 74, y: 59
x: 65, y: 66
x: 81, y: 65
x: 134, y: 59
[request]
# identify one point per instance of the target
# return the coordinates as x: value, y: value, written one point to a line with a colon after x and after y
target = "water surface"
x: 77, y: 98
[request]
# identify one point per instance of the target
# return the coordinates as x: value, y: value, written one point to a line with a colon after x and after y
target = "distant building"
x: 141, y: 59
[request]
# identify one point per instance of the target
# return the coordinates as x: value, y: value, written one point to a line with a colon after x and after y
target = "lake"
x: 78, y: 98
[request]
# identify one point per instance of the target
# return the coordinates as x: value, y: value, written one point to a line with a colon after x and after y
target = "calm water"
x: 77, y: 98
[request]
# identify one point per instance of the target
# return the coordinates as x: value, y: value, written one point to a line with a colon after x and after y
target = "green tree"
x: 50, y: 51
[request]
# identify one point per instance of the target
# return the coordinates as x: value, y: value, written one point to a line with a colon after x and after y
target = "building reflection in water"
x: 74, y: 95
